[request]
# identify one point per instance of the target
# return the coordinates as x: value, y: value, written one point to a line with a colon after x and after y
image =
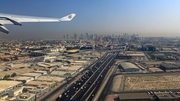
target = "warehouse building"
x: 165, y: 96
x: 33, y: 83
x: 27, y: 79
x: 39, y: 83
x: 155, y: 70
x: 58, y: 73
x: 25, y: 97
x: 168, y: 66
x: 135, y: 96
x: 69, y: 68
x: 128, y: 67
x: 42, y: 72
x: 15, y: 92
x: 6, y: 86
x: 34, y: 75
x: 50, y: 78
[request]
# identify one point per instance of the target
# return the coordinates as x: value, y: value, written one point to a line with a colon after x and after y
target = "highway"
x: 90, y: 93
x: 89, y: 83
x: 76, y: 85
x: 63, y: 86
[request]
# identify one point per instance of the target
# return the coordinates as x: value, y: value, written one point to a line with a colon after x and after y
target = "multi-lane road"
x: 90, y: 67
x: 85, y: 88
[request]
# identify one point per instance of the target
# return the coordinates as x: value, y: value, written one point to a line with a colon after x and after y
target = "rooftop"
x: 50, y: 78
x: 59, y: 73
x: 36, y: 83
x: 134, y: 96
x: 30, y: 74
x: 6, y: 84
x: 23, y: 78
x: 154, y: 69
x: 39, y: 71
x: 18, y: 72
x: 25, y: 96
x: 164, y: 95
x: 128, y: 65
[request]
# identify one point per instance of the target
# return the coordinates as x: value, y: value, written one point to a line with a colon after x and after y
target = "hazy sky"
x: 143, y: 17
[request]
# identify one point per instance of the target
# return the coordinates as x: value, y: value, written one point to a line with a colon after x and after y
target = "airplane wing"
x: 17, y: 19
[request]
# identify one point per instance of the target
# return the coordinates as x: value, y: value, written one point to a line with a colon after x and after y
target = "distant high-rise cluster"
x: 102, y: 38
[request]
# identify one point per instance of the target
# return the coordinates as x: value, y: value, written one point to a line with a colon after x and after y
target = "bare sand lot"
x: 116, y: 83
x: 139, y: 83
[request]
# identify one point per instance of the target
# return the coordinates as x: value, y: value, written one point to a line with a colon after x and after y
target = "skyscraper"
x: 95, y: 36
x: 64, y: 36
x: 91, y: 37
x: 112, y: 35
x: 75, y: 36
x: 86, y: 36
x: 82, y: 36
x: 67, y: 36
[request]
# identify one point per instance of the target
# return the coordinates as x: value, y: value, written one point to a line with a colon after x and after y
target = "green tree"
x: 21, y: 67
x: 15, y: 58
x: 48, y: 61
x: 5, y: 69
x: 24, y: 81
x: 13, y: 75
x: 6, y: 77
x: 68, y: 62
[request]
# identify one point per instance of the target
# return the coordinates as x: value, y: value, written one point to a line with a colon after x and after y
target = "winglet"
x: 4, y: 29
x: 68, y: 18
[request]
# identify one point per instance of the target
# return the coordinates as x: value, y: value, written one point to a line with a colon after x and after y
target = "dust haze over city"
x: 146, y: 18
x: 118, y: 50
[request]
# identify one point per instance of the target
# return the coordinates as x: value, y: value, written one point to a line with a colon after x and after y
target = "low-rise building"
x: 15, y: 92
x: 129, y: 67
x: 65, y: 69
x: 68, y: 68
x: 44, y: 89
x: 81, y: 61
x: 58, y: 73
x: 34, y: 75
x: 134, y: 96
x: 169, y: 66
x: 50, y: 78
x: 74, y: 68
x: 77, y: 64
x: 27, y: 88
x: 25, y: 97
x: 14, y: 78
x: 155, y: 69
x: 165, y: 96
x: 50, y: 84
x: 33, y: 83
x: 42, y: 72
x: 160, y: 55
x: 27, y: 79
x: 17, y: 71
x: 6, y: 86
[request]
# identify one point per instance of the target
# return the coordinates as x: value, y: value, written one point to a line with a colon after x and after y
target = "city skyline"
x: 146, y: 18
